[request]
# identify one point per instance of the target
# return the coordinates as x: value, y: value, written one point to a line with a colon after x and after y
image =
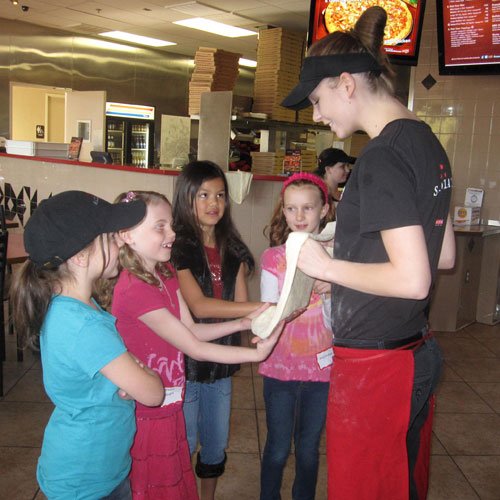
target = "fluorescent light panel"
x: 141, y: 40
x: 247, y: 62
x: 198, y: 23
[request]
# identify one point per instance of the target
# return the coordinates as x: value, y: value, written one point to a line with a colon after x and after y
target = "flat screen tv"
x: 468, y: 37
x: 403, y: 30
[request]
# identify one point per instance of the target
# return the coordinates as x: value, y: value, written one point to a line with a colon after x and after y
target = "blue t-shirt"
x: 85, y: 450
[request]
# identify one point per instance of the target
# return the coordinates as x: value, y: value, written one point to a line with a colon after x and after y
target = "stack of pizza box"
x: 279, y: 58
x: 270, y: 163
x: 305, y: 116
x: 308, y: 160
x: 214, y: 69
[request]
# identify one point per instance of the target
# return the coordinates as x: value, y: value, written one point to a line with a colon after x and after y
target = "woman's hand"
x: 322, y: 287
x: 313, y: 259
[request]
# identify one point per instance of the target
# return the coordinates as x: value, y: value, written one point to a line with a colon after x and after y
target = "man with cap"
x: 334, y: 168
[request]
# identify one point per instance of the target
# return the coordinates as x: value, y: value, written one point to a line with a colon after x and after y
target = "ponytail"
x: 367, y: 36
x: 31, y: 292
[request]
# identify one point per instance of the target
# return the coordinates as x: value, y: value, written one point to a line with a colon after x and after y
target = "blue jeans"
x: 298, y: 409
x: 428, y: 365
x: 207, y: 408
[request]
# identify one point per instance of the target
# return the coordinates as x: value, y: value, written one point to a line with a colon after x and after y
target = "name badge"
x: 172, y: 395
x: 325, y: 358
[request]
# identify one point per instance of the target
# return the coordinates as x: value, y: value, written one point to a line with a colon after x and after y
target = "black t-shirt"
x: 402, y: 178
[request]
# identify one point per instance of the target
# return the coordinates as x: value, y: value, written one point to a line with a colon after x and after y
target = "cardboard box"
x: 42, y: 149
x: 465, y: 216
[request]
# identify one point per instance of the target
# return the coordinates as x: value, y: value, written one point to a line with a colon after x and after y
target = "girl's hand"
x: 124, y: 395
x: 246, y: 322
x: 265, y: 346
x: 313, y: 259
x: 143, y: 366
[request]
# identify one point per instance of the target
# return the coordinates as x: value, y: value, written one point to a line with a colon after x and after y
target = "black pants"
x: 428, y: 365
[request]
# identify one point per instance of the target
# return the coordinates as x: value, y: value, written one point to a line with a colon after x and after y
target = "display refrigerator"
x: 130, y: 134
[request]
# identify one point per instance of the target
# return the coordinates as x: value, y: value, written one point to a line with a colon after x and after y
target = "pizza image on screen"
x: 341, y: 15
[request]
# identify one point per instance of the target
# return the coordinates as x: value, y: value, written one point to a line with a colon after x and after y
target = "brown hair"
x: 367, y: 36
x: 278, y: 228
x: 32, y: 290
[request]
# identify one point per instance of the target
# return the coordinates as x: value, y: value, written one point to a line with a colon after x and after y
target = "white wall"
x: 86, y: 106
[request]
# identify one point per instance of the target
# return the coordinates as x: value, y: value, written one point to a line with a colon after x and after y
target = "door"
x: 54, y: 124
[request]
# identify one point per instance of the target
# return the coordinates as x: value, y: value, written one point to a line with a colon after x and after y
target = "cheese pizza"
x: 341, y: 15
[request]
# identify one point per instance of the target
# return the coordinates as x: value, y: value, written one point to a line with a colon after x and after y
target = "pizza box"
x: 42, y: 149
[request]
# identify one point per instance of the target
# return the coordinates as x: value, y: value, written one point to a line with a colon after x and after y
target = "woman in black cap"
x: 334, y: 167
x: 393, y: 233
x: 87, y: 372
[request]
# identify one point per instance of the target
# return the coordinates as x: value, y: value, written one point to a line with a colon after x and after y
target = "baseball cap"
x: 329, y: 157
x: 66, y: 223
x: 316, y: 68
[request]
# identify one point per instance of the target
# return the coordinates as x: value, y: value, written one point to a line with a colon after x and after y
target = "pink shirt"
x: 295, y: 354
x: 132, y: 298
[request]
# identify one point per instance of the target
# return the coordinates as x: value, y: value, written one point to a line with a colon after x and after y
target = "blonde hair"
x: 128, y: 258
x: 278, y: 229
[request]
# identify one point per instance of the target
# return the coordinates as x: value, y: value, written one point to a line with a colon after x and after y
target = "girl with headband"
x: 297, y: 373
x: 393, y: 233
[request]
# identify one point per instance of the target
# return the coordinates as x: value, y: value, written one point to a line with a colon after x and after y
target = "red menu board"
x: 403, y: 29
x: 469, y: 32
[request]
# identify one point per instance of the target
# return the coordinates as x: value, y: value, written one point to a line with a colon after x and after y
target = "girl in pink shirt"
x: 297, y: 372
x: 156, y: 326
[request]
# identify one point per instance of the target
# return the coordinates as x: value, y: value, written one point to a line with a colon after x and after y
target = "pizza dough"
x: 342, y: 16
x: 297, y: 286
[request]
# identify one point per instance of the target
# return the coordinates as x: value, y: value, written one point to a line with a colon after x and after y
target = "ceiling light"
x: 141, y: 40
x: 14, y: 2
x: 247, y: 62
x: 198, y: 23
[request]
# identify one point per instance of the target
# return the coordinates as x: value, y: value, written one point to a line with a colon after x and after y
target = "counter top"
x: 479, y: 230
x: 154, y: 171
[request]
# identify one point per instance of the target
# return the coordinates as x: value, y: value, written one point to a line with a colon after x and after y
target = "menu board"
x: 74, y: 148
x: 469, y: 35
x: 402, y: 32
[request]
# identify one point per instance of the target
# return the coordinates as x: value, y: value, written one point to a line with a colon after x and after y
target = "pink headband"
x: 306, y: 176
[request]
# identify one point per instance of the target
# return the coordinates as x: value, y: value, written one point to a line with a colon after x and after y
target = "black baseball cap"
x: 329, y: 157
x: 66, y: 223
x: 316, y: 68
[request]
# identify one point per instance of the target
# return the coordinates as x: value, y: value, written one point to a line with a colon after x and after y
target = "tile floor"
x: 466, y: 443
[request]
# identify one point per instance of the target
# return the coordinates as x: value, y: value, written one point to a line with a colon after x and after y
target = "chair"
x: 4, y: 239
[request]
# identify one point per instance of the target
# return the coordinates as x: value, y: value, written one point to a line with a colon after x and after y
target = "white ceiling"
x: 154, y: 18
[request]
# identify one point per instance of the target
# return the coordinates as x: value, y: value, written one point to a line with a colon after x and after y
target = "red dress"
x: 161, y: 464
